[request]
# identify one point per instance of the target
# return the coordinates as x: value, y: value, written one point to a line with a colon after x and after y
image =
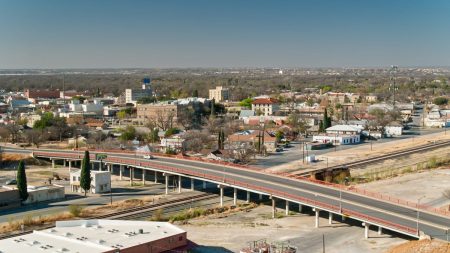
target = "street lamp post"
x: 340, y: 199
x: 418, y: 215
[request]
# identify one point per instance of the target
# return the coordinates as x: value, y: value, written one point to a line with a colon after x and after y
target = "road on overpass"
x: 396, y: 217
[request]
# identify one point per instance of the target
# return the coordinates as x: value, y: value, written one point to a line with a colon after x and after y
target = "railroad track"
x: 430, y: 146
x: 132, y: 213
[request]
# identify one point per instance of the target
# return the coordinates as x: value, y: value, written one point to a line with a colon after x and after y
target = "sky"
x: 223, y: 33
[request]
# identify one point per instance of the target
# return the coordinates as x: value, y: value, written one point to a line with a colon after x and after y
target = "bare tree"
x: 95, y: 139
x: 196, y: 140
x: 14, y: 131
x: 163, y: 120
x: 36, y: 137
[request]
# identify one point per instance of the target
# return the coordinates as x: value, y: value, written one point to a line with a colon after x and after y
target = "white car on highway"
x: 149, y: 157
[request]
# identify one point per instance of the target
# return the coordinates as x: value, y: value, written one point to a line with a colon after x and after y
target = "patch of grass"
x: 75, y: 210
x: 158, y: 215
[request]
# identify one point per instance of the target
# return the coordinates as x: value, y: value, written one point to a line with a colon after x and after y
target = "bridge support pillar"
x: 300, y: 208
x: 167, y: 183
x: 287, y: 208
x: 70, y: 164
x: 366, y: 230
x: 260, y: 196
x: 192, y: 184
x: 274, y: 210
x: 330, y: 218
x: 179, y: 184
x: 53, y: 163
x: 131, y: 176
x: 100, y: 165
x: 234, y: 196
x: 64, y: 163
x: 221, y: 187
x: 120, y: 172
x: 110, y: 166
x: 317, y: 217
x: 156, y: 177
x: 343, y: 218
x: 248, y: 197
x: 204, y: 185
x: 143, y: 176
x: 380, y: 230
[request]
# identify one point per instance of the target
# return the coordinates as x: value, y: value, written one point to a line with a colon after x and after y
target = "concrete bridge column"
x: 380, y: 230
x: 70, y: 164
x: 192, y: 184
x: 143, y: 176
x: 110, y: 167
x: 156, y: 177
x: 166, y: 176
x: 131, y: 176
x: 330, y: 218
x: 120, y: 172
x: 204, y: 185
x: 248, y: 197
x: 100, y: 166
x: 343, y: 217
x: 366, y: 230
x: 300, y: 208
x: 287, y: 208
x: 53, y: 163
x: 317, y: 217
x: 179, y: 184
x: 274, y: 209
x: 234, y: 196
x: 221, y: 187
x: 260, y: 196
x: 64, y: 162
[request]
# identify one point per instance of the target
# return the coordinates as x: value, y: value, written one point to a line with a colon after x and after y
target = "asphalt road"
x: 431, y: 224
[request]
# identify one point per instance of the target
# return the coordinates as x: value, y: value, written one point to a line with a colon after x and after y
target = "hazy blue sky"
x: 227, y: 33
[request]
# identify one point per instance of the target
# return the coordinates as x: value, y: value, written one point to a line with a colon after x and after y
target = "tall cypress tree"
x: 213, y: 108
x: 325, y: 119
x: 22, y: 181
x: 85, y: 175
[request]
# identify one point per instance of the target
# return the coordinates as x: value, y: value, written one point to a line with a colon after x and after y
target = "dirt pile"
x: 422, y: 246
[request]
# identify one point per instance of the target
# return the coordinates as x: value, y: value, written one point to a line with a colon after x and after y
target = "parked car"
x: 149, y: 157
x: 11, y: 182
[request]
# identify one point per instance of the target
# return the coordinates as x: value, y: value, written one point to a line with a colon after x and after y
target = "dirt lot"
x: 231, y: 233
x: 431, y: 185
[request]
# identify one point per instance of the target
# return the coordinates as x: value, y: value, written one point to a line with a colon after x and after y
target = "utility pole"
x: 323, y: 243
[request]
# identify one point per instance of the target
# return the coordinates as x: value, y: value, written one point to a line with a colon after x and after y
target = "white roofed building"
x: 99, y: 236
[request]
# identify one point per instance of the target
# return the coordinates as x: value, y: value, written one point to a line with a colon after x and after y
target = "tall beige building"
x: 219, y: 94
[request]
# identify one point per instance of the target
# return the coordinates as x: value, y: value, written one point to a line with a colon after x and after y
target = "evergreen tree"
x: 321, y: 126
x: 85, y: 175
x: 22, y: 181
x: 325, y: 119
x: 213, y: 108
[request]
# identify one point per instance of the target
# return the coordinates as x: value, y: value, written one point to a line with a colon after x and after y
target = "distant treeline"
x: 242, y: 86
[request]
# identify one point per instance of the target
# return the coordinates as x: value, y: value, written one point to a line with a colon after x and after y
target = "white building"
x: 340, y: 139
x: 100, y: 181
x: 133, y: 95
x: 42, y: 193
x: 265, y: 106
x: 99, y: 236
x: 344, y: 129
x: 219, y: 94
x: 175, y: 142
x: 393, y: 129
